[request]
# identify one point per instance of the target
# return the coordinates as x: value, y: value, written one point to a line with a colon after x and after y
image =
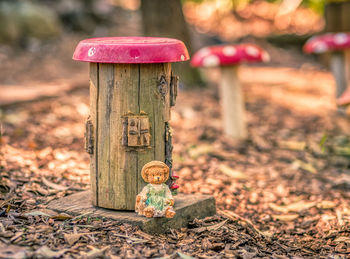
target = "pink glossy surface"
x: 327, y: 42
x: 174, y: 186
x: 225, y: 55
x: 131, y: 50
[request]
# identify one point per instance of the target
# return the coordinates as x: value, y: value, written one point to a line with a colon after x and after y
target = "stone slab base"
x: 187, y: 207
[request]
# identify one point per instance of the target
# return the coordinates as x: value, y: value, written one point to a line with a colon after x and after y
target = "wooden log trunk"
x: 129, y: 109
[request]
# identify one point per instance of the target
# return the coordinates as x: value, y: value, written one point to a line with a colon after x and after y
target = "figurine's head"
x: 155, y: 172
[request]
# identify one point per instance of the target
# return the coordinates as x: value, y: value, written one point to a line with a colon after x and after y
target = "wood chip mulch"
x: 282, y: 193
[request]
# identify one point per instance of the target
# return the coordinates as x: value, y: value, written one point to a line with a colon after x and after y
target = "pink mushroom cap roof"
x: 226, y: 55
x: 327, y: 42
x: 131, y: 50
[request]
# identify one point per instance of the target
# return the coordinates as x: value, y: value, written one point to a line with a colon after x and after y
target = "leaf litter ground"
x: 284, y: 192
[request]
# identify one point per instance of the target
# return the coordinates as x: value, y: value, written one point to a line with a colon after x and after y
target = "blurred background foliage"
x: 44, y: 19
x: 40, y: 26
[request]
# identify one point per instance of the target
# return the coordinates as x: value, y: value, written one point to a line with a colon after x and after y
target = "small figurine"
x: 155, y: 199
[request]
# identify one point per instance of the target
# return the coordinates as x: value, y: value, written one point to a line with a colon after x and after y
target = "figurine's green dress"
x: 156, y: 196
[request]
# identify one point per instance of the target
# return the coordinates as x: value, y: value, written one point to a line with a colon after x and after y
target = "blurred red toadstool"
x: 339, y: 44
x: 228, y: 58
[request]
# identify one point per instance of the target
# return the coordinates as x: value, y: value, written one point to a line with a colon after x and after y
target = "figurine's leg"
x: 149, y: 212
x: 139, y: 206
x: 170, y: 213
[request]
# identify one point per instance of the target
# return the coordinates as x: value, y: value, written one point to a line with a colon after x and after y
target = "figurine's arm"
x: 142, y: 196
x: 169, y: 196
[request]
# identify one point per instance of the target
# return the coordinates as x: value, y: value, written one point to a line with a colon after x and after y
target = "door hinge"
x: 162, y: 86
x: 89, y: 137
x: 174, y: 83
x: 168, y: 146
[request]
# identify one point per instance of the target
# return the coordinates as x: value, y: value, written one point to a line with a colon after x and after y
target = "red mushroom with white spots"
x: 228, y: 58
x: 339, y: 45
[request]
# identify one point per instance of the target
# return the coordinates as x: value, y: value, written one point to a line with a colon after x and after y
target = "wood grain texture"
x: 157, y: 108
x: 104, y: 134
x: 233, y: 110
x: 93, y: 118
x: 124, y: 160
x: 125, y: 90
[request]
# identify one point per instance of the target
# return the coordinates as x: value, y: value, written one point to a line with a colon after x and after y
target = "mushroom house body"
x: 132, y: 89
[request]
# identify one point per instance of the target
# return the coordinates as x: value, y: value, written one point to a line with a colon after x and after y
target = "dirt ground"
x: 282, y: 193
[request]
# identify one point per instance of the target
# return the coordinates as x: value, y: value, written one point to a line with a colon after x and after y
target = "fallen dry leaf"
x: 45, y: 252
x: 62, y: 216
x: 17, y: 235
x: 72, y: 238
x: 222, y: 154
x: 342, y: 239
x: 94, y: 252
x: 293, y: 207
x: 291, y: 145
x: 285, y: 218
x: 326, y: 205
x: 184, y: 256
x: 199, y: 150
x: 210, y: 228
x: 41, y: 212
x: 13, y: 251
x: 305, y: 166
x: 233, y: 216
x: 235, y: 174
x: 54, y: 186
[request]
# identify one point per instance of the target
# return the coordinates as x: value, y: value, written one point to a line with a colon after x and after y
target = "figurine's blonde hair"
x: 152, y: 166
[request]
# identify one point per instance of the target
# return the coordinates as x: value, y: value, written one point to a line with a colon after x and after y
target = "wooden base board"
x: 187, y: 207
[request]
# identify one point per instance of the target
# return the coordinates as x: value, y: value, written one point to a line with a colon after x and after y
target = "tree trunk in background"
x: 345, y: 16
x: 164, y: 18
x: 337, y: 16
x: 333, y: 17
